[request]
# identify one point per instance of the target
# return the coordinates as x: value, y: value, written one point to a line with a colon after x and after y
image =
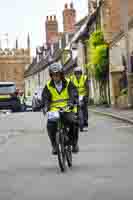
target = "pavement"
x: 125, y: 115
x: 102, y: 170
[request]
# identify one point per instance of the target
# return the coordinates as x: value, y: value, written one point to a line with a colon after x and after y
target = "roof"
x: 84, y: 29
x: 81, y: 22
x: 69, y: 65
x: 44, y: 62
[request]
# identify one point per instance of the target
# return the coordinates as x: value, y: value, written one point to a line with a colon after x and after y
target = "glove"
x: 71, y: 106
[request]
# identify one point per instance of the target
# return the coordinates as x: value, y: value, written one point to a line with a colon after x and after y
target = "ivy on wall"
x: 98, y: 63
x: 98, y: 58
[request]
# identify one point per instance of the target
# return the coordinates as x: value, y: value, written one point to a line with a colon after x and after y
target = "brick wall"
x: 51, y: 30
x: 113, y: 17
x: 69, y: 19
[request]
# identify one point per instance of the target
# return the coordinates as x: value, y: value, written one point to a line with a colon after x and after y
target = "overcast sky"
x: 18, y: 17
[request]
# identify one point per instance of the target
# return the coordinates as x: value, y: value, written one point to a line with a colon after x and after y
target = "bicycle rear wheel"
x: 61, y: 151
x: 69, y: 155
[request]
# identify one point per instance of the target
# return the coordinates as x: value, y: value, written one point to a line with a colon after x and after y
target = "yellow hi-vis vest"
x: 21, y: 99
x: 80, y: 84
x: 59, y: 99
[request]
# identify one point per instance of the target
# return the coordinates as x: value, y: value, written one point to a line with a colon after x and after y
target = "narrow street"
x: 101, y: 171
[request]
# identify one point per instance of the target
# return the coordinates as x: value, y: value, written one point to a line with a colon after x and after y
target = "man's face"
x: 78, y: 74
x: 56, y: 76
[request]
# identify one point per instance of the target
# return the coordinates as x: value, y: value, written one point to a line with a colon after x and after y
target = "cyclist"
x: 22, y: 100
x: 81, y: 82
x: 60, y: 92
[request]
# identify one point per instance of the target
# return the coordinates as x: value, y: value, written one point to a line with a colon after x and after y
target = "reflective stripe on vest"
x: 60, y: 100
x: 80, y: 85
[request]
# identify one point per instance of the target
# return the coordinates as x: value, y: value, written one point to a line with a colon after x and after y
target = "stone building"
x: 113, y: 16
x: 13, y: 63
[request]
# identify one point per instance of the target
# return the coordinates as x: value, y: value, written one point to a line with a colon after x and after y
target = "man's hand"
x: 71, y: 106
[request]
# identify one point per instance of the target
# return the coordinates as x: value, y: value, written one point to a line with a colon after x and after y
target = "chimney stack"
x: 69, y: 19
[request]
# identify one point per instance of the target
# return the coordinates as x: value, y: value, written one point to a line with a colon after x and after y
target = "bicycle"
x: 63, y: 144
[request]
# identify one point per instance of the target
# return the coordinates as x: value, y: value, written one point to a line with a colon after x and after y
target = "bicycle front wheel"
x: 61, y: 151
x: 69, y: 155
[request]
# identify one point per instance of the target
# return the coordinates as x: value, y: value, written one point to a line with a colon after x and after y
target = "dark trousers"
x: 71, y: 122
x: 85, y: 110
x: 83, y: 113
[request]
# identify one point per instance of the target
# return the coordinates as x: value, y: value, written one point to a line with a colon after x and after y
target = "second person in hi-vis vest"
x: 82, y: 84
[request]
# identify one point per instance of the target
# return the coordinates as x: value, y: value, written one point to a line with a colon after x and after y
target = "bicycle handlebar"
x: 63, y: 109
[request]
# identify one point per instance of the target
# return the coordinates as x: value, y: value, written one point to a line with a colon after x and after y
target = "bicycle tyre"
x: 61, y: 151
x: 69, y: 156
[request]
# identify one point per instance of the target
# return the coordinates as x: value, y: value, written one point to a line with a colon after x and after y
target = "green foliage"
x: 98, y: 52
x: 89, y: 67
x: 97, y: 38
x: 65, y: 56
x: 99, y: 55
x: 29, y: 93
x: 102, y: 101
x: 124, y: 92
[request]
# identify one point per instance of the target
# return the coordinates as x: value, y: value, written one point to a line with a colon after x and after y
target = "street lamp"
x: 124, y: 23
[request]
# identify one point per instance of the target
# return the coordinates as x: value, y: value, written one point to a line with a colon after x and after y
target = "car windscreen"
x: 7, y: 88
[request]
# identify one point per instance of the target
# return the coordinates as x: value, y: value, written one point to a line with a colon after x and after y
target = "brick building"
x: 13, y: 63
x: 113, y: 16
x: 51, y: 25
x: 69, y: 18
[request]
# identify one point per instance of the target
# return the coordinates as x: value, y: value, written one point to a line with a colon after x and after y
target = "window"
x: 28, y: 83
x: 7, y: 88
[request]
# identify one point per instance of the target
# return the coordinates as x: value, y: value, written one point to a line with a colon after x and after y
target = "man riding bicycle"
x: 60, y: 92
x: 81, y: 82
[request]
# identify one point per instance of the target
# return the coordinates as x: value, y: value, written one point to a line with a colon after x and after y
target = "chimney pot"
x: 71, y: 5
x: 66, y: 6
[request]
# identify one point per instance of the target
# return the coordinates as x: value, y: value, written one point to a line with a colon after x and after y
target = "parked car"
x: 28, y: 103
x: 36, y: 100
x: 9, y: 98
